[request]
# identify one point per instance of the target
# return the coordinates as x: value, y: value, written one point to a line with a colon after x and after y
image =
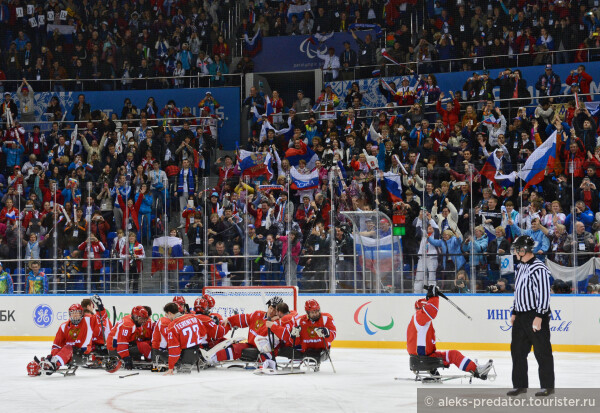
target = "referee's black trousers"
x: 523, y: 337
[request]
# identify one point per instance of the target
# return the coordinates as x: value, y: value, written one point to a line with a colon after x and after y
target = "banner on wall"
x: 455, y: 82
x: 109, y: 102
x: 361, y: 320
x: 301, y: 51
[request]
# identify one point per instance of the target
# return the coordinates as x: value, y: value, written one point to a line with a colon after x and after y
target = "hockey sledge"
x: 426, y: 371
x: 47, y: 369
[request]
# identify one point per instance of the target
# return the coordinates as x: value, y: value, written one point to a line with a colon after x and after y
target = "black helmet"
x: 525, y: 242
x: 274, y: 302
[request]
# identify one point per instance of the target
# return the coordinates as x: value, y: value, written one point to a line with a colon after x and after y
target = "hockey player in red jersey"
x: 254, y: 322
x: 125, y: 337
x: 214, y: 331
x: 160, y: 355
x: 185, y: 335
x: 210, y: 301
x: 308, y: 336
x: 181, y: 300
x: 99, y: 319
x: 420, y: 340
x: 74, y: 337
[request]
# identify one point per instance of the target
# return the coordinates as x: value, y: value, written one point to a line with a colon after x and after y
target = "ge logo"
x: 505, y: 263
x: 42, y: 315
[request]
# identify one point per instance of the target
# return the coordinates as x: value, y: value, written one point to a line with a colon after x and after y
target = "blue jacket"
x: 13, y: 155
x: 453, y: 246
x: 479, y: 248
x: 586, y: 217
x: 542, y: 243
x: 146, y: 206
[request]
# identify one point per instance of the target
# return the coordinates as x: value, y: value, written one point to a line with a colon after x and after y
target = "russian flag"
x: 376, y: 73
x: 220, y: 274
x: 254, y: 45
x: 535, y: 166
x: 490, y: 170
x: 302, y: 182
x: 170, y: 248
x: 393, y: 184
x: 294, y: 156
x: 255, y: 164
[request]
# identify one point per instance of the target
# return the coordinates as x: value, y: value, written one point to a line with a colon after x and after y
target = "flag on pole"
x: 385, y: 54
x: 535, y: 166
x: 294, y: 156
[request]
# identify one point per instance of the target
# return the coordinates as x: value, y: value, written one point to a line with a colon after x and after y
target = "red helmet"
x: 179, y: 299
x: 180, y: 308
x: 210, y: 300
x: 33, y: 369
x: 312, y: 305
x: 75, y: 313
x: 419, y: 303
x: 140, y: 312
x: 201, y: 305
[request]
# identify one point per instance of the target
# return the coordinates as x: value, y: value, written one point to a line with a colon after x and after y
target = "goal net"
x: 239, y: 300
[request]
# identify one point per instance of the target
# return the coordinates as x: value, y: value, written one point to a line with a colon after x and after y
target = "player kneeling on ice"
x: 125, y: 339
x: 424, y: 357
x: 313, y: 333
x: 185, y: 335
x: 72, y: 342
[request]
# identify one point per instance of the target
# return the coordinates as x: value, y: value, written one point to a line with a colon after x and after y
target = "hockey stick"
x: 441, y: 294
x: 293, y: 351
x: 129, y: 375
x: 328, y: 354
x: 114, y: 315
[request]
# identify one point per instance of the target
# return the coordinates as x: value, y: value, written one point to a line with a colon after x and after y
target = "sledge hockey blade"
x: 129, y: 375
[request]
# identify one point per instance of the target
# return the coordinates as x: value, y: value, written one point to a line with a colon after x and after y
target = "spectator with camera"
x: 461, y: 283
x: 501, y: 287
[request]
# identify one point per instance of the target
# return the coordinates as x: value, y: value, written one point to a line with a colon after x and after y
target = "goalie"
x: 420, y: 340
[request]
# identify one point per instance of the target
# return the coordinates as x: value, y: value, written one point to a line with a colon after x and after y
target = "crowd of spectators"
x: 92, y: 42
x: 138, y: 168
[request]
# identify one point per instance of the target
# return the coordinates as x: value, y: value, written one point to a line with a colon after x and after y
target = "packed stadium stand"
x: 336, y: 145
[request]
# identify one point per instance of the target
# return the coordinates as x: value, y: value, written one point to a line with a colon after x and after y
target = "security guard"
x: 531, y: 319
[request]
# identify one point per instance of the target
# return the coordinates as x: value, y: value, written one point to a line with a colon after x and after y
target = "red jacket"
x: 134, y: 211
x: 450, y: 118
x: 96, y: 249
x: 584, y: 80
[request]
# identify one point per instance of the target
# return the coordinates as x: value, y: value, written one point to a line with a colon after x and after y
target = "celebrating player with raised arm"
x: 420, y: 340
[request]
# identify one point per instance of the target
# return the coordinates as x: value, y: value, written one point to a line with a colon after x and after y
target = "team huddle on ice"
x: 185, y: 338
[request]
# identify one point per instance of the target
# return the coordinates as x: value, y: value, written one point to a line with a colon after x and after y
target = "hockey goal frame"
x: 216, y: 291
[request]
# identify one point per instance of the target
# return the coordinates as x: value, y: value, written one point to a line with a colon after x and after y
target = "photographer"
x: 461, y: 283
x: 501, y: 287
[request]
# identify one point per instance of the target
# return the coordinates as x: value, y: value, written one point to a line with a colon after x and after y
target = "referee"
x: 531, y: 319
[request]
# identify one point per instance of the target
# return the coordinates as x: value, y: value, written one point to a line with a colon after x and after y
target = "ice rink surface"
x: 364, y: 383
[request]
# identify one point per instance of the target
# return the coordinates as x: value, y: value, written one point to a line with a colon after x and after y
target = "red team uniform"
x: 72, y: 335
x: 420, y: 338
x: 185, y: 332
x: 125, y: 333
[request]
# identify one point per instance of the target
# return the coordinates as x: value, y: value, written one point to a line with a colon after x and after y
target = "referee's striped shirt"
x: 532, y: 287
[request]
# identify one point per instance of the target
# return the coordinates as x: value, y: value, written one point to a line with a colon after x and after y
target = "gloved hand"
x: 215, y: 319
x: 128, y: 363
x: 431, y: 292
x: 296, y: 331
x: 322, y: 331
x: 98, y: 302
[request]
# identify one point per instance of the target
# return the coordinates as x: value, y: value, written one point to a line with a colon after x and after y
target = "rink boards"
x: 362, y: 321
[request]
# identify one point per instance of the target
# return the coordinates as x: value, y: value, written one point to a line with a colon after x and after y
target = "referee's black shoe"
x: 544, y: 392
x: 517, y: 391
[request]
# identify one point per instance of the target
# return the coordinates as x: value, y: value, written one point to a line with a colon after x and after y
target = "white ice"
x: 364, y: 383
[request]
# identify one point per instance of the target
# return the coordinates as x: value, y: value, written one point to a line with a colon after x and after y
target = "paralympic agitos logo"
x: 366, y: 322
